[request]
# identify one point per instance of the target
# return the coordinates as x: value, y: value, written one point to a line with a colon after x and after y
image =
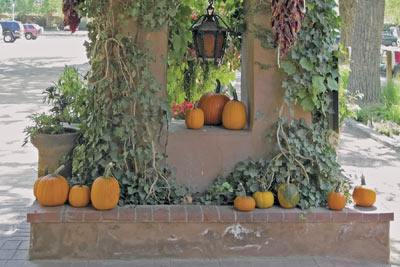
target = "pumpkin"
x: 35, y: 185
x: 244, y: 203
x: 212, y: 104
x: 364, y: 196
x: 234, y: 115
x: 105, y: 190
x: 194, y: 118
x: 52, y: 189
x: 288, y: 196
x: 79, y: 196
x: 263, y: 200
x: 336, y: 201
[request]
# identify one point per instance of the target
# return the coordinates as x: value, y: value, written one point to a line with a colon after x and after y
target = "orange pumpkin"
x: 79, y: 196
x: 213, y: 105
x: 234, y: 115
x: 364, y: 196
x: 52, y: 189
x: 105, y: 190
x: 336, y: 201
x: 244, y: 203
x: 194, y: 118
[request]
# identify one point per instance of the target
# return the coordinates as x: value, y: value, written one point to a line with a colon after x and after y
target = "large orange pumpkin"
x: 364, y: 196
x: 105, y: 190
x: 234, y: 115
x: 194, y: 118
x: 79, y: 196
x: 213, y: 105
x: 52, y: 189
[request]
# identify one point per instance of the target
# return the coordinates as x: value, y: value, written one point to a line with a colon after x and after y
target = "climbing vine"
x: 127, y: 121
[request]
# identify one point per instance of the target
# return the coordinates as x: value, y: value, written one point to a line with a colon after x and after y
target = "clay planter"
x: 52, y: 148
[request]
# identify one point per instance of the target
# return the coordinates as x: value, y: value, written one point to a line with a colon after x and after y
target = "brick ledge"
x: 197, y: 213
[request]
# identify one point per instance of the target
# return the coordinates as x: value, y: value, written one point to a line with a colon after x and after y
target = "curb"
x: 368, y: 132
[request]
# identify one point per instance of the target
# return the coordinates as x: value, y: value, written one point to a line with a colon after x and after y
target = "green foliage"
x: 312, y: 67
x: 384, y: 117
x: 304, y: 157
x: 68, y: 96
x: 392, y: 11
x: 391, y: 93
x: 66, y: 99
x: 43, y: 124
x: 126, y: 120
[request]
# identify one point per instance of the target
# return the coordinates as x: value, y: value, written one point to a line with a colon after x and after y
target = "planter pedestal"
x: 52, y: 148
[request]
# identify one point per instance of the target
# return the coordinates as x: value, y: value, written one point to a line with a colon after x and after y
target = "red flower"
x: 193, y: 16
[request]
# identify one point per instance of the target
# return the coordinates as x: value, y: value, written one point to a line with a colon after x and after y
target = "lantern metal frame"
x: 213, y: 20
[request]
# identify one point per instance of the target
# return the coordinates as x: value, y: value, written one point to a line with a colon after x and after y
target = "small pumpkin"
x: 337, y: 200
x: 364, y: 196
x: 194, y: 119
x: 244, y: 203
x: 79, y: 196
x: 234, y: 115
x: 288, y: 196
x: 212, y: 104
x: 105, y: 190
x: 264, y: 200
x: 52, y: 189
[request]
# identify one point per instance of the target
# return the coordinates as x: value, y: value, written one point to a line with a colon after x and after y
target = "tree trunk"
x: 347, y: 11
x: 365, y: 56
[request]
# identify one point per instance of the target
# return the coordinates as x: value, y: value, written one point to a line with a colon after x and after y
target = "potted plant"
x: 51, y: 132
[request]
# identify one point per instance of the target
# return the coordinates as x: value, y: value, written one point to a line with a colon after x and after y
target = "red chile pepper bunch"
x: 287, y: 18
x: 71, y: 17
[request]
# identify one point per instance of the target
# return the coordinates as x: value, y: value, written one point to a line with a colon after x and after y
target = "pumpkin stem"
x: 363, y: 180
x: 244, y: 191
x: 235, y: 97
x: 57, y: 172
x: 218, y: 88
x: 107, y: 171
x: 46, y: 171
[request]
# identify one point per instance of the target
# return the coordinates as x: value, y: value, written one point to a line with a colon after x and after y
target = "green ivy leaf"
x: 318, y: 84
x: 306, y: 64
x: 288, y: 67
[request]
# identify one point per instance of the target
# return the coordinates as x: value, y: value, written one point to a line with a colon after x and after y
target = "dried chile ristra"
x: 287, y: 18
x: 71, y: 17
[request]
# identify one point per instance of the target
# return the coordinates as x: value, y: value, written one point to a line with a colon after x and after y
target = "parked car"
x: 12, y: 30
x: 31, y: 31
x: 389, y: 39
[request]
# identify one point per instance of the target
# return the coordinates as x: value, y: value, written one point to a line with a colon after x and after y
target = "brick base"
x: 207, y: 232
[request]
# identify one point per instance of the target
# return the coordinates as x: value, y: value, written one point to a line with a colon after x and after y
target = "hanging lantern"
x: 209, y: 37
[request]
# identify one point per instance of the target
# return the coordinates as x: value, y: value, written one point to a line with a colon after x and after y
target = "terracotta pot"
x: 52, y: 148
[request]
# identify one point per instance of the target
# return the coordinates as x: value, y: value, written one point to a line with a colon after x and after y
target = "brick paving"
x: 21, y: 96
